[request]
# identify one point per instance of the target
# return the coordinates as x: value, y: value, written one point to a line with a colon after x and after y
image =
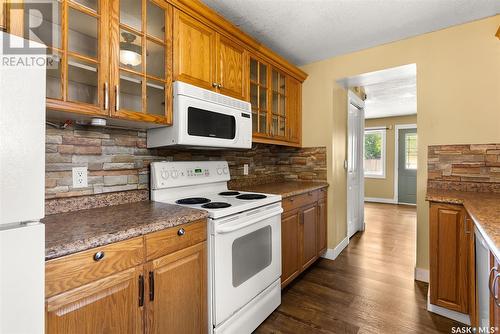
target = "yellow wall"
x: 458, y: 101
x: 384, y: 188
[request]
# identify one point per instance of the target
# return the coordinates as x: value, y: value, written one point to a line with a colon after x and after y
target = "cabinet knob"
x: 181, y: 232
x: 214, y: 84
x: 99, y: 256
x: 219, y: 86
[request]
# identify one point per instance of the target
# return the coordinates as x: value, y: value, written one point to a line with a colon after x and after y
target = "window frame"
x: 405, y: 161
x: 383, y: 156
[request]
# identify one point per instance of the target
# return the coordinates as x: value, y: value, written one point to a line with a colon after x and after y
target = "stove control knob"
x: 164, y: 174
x: 219, y: 171
x: 226, y: 170
x: 174, y: 174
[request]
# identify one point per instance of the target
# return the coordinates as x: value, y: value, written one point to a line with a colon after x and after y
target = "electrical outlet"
x: 80, y: 177
x: 245, y: 169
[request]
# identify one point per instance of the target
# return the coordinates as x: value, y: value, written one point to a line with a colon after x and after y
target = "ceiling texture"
x: 305, y: 31
x: 391, y: 98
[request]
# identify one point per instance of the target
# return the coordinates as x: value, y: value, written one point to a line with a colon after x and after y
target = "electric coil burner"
x: 193, y: 200
x: 251, y: 196
x: 216, y: 205
x: 229, y: 193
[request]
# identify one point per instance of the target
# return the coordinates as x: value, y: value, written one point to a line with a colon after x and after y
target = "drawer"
x: 175, y: 238
x: 74, y: 270
x: 298, y: 201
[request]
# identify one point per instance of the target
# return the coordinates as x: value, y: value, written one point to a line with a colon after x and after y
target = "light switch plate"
x: 80, y: 177
x: 245, y: 169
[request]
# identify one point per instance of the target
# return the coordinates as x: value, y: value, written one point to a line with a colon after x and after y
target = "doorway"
x: 406, y: 164
x: 355, y: 184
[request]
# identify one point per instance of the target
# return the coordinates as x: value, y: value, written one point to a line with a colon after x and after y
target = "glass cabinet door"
x: 278, y: 104
x: 75, y: 32
x: 140, y: 58
x: 259, y: 96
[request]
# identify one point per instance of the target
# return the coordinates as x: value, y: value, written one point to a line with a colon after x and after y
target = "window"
x: 411, y: 151
x: 374, y: 153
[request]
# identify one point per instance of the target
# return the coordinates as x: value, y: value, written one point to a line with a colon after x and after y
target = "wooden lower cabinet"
x: 303, y: 233
x: 290, y: 251
x: 450, y: 240
x: 110, y: 305
x: 167, y: 294
x: 309, y: 235
x: 495, y: 291
x: 177, y: 292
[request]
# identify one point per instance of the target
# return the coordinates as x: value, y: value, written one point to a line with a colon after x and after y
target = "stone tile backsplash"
x: 473, y: 167
x: 118, y: 160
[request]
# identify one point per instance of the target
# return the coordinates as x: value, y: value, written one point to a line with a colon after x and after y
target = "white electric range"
x: 244, y: 238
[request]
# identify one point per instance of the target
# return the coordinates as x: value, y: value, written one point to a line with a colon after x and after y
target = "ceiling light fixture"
x: 130, y: 54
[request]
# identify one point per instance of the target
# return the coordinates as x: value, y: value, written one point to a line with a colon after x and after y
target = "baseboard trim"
x: 332, y: 253
x: 457, y: 316
x: 421, y: 275
x: 381, y: 200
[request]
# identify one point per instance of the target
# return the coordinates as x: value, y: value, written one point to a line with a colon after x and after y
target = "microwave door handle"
x: 229, y: 229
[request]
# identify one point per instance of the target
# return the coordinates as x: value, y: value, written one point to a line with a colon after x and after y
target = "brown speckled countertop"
x: 287, y: 188
x: 71, y: 232
x: 484, y: 209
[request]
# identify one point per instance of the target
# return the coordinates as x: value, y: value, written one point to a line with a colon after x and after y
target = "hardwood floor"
x: 369, y: 288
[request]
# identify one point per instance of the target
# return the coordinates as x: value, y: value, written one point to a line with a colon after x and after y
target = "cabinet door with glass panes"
x: 140, y: 58
x: 278, y: 122
x: 76, y: 33
x: 259, y: 97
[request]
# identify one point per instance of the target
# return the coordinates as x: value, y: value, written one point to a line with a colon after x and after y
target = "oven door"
x: 247, y: 258
x: 205, y: 123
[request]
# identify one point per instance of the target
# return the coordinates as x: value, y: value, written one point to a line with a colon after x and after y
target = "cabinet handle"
x: 106, y: 96
x: 151, y: 286
x: 214, y: 84
x: 181, y: 232
x: 465, y: 226
x: 492, y: 270
x: 219, y: 86
x: 494, y: 288
x: 141, y: 290
x: 117, y: 97
x: 99, y: 256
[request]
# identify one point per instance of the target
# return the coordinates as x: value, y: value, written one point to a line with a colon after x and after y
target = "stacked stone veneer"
x: 118, y: 160
x: 464, y: 167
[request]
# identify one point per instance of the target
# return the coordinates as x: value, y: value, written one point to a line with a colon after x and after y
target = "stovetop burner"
x: 216, y: 205
x: 229, y: 193
x: 193, y: 200
x: 251, y: 196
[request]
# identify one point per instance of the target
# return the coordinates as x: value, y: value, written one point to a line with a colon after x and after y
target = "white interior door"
x: 355, y: 179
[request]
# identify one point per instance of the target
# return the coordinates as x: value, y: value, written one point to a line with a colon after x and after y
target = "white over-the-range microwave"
x: 202, y: 118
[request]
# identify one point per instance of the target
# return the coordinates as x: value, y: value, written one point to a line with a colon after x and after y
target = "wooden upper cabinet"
x: 177, y: 292
x: 279, y: 120
x: 231, y: 68
x: 259, y: 96
x: 108, y: 306
x: 77, y: 74
x: 141, y: 61
x: 449, y: 245
x: 194, y: 51
x: 293, y: 109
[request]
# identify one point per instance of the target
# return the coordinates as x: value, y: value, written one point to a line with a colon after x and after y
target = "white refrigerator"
x: 22, y: 180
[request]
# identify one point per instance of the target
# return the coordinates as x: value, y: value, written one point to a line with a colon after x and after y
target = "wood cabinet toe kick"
x: 132, y: 286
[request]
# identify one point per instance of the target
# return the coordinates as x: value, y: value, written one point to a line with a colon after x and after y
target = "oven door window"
x: 204, y: 123
x: 251, y: 254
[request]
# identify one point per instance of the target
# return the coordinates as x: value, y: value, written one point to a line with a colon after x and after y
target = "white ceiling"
x: 391, y: 98
x: 304, y: 31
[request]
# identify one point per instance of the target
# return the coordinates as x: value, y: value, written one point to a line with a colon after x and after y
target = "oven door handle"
x: 229, y: 229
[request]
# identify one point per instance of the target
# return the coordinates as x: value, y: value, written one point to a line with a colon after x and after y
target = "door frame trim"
x: 396, y: 156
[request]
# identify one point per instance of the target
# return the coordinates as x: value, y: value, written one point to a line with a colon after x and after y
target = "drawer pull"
x: 492, y: 270
x: 494, y: 294
x: 151, y: 286
x: 181, y: 232
x: 99, y: 256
